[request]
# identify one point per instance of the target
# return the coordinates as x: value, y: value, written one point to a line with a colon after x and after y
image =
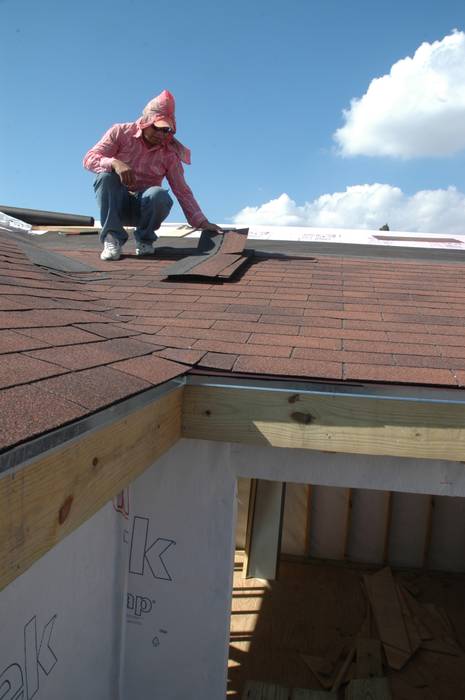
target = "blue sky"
x: 260, y: 91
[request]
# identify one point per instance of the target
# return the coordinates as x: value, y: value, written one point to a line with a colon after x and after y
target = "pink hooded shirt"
x: 151, y: 164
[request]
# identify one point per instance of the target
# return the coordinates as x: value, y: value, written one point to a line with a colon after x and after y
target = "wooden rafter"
x: 375, y: 426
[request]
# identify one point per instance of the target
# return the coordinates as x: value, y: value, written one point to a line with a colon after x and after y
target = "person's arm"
x: 185, y: 197
x: 99, y: 159
x: 102, y: 157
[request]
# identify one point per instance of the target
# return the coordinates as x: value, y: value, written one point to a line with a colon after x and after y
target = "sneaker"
x: 144, y: 249
x: 111, y: 249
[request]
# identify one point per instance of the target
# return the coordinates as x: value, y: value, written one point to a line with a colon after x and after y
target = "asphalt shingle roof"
x: 73, y: 343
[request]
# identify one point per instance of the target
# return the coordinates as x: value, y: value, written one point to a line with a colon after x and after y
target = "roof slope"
x: 72, y: 343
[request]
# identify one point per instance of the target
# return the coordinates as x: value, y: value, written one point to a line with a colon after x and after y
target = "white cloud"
x: 366, y: 207
x: 416, y: 110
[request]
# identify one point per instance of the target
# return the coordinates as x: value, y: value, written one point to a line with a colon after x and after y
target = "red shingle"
x: 161, y: 307
x: 344, y: 356
x: 217, y: 360
x: 47, y: 317
x: 7, y: 304
x: 151, y: 340
x: 210, y: 297
x: 168, y: 340
x: 11, y: 341
x: 344, y: 333
x: 295, y: 341
x: 421, y: 318
x: 399, y: 375
x: 27, y: 411
x: 148, y: 307
x: 452, y: 351
x: 208, y: 315
x: 64, y: 335
x: 215, y: 264
x: 92, y: 354
x: 423, y: 361
x: 233, y: 242
x: 175, y: 323
x: 93, y: 388
x: 399, y: 348
x: 242, y: 348
x: 18, y: 368
x: 252, y: 327
x: 152, y: 368
x: 238, y: 308
x: 107, y: 330
x: 289, y: 367
x: 309, y: 321
x: 206, y: 333
x: 187, y: 357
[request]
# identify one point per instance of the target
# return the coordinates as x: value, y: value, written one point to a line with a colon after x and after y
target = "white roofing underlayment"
x: 306, y: 234
x: 303, y: 234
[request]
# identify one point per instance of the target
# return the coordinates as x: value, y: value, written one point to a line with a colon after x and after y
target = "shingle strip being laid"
x: 215, y: 264
x: 234, y: 241
x: 218, y: 256
x: 232, y: 267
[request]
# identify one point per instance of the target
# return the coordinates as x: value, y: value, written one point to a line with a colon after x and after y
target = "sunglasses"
x: 163, y: 129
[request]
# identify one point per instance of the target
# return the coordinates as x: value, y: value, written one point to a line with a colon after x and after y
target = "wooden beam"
x: 308, y: 523
x: 264, y: 529
x: 348, y: 522
x: 429, y: 531
x: 387, y: 527
x: 46, y: 500
x: 375, y: 426
x: 249, y: 527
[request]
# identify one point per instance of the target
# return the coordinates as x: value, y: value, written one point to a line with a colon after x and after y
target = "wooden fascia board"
x: 52, y: 495
x: 375, y: 426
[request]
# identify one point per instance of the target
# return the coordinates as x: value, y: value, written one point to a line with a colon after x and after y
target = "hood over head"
x: 160, y: 111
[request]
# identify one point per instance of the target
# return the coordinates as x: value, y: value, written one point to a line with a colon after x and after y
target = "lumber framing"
x: 264, y: 529
x: 375, y: 426
x: 52, y: 495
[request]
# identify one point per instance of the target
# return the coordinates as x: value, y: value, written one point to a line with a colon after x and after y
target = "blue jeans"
x: 119, y: 207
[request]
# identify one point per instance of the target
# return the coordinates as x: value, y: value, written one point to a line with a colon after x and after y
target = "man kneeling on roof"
x: 131, y: 161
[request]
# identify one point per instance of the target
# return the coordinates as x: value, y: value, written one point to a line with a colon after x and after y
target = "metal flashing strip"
x: 361, y: 391
x: 18, y: 456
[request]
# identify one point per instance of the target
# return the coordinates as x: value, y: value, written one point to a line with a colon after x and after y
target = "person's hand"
x: 125, y: 173
x: 211, y: 227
